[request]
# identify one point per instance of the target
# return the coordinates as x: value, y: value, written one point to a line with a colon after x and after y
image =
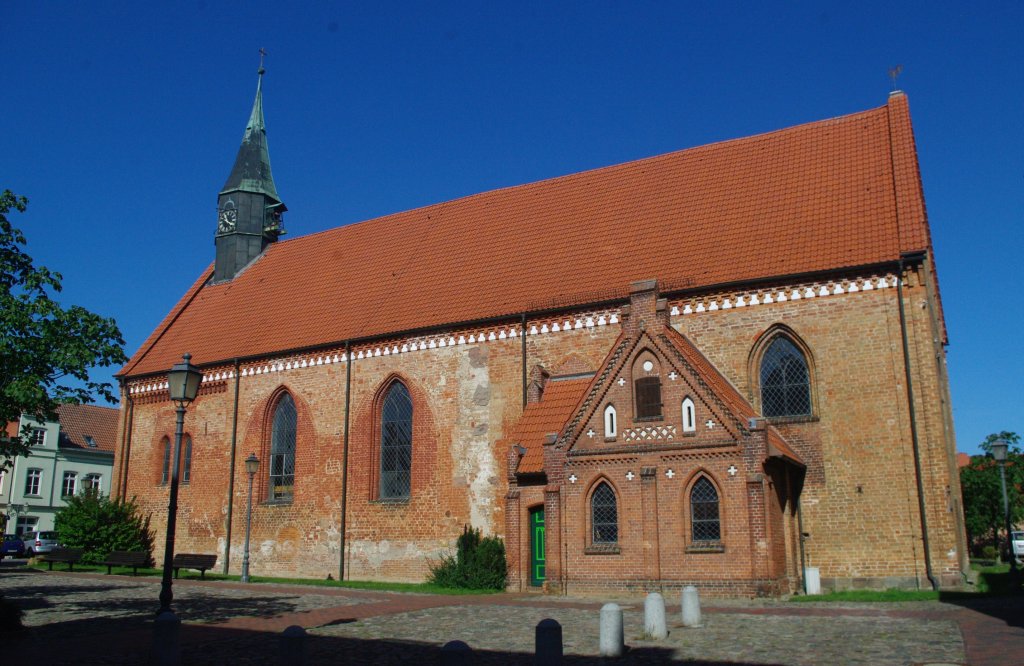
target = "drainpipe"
x: 344, y: 462
x: 802, y: 539
x: 914, y: 433
x: 126, y: 446
x: 522, y: 335
x: 231, y: 475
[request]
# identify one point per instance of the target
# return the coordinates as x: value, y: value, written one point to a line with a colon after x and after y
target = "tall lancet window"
x: 282, y: 450
x: 396, y: 443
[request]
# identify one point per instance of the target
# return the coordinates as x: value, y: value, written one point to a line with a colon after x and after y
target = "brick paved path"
x: 97, y: 619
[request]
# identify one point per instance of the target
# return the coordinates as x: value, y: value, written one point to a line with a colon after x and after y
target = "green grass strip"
x: 871, y: 595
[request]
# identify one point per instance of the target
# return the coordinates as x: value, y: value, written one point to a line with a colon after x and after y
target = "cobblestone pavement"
x: 96, y: 619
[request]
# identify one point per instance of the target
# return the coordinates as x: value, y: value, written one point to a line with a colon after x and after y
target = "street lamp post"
x: 999, y: 448
x: 183, y: 385
x: 252, y: 464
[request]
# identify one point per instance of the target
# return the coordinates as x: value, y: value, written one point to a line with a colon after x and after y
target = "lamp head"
x: 183, y: 381
x: 999, y: 450
x: 252, y: 464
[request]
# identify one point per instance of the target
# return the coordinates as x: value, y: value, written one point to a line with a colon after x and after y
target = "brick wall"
x: 859, y: 496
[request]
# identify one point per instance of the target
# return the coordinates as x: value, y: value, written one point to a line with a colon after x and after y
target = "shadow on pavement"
x: 109, y: 641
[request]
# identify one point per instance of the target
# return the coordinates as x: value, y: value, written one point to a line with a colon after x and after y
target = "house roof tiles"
x: 837, y: 193
x: 80, y: 423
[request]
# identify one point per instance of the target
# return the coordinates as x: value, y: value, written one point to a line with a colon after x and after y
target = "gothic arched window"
x: 186, y: 459
x: 705, y: 524
x: 785, y: 380
x: 689, y: 416
x: 282, y: 450
x: 604, y: 515
x: 609, y: 422
x: 165, y: 467
x: 647, y: 387
x: 396, y: 443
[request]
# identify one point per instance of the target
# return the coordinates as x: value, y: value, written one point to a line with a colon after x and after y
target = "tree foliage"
x: 100, y: 525
x: 983, y: 495
x: 46, y: 349
x: 478, y: 564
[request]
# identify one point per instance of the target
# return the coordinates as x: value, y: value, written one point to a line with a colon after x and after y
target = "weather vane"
x: 263, y: 52
x: 894, y: 73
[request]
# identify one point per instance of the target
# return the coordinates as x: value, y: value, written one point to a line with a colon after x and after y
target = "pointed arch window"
x: 604, y: 515
x: 705, y: 524
x: 689, y: 416
x: 186, y: 459
x: 610, y: 425
x: 282, y: 450
x: 396, y: 443
x: 165, y: 467
x: 785, y: 380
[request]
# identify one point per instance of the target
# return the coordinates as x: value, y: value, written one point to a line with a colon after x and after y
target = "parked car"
x: 1018, y: 545
x: 40, y: 542
x: 12, y: 546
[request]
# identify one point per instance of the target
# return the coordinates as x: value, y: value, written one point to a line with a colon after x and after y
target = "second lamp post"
x: 252, y: 465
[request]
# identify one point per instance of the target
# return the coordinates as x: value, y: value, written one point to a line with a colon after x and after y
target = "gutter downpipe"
x: 231, y: 475
x: 344, y: 463
x: 522, y: 334
x: 914, y: 434
x: 800, y: 527
x: 126, y: 443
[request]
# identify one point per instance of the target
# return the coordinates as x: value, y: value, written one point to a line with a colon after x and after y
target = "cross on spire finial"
x: 263, y: 52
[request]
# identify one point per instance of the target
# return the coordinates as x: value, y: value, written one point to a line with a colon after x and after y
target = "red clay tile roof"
x: 544, y: 417
x: 962, y: 459
x: 729, y: 394
x: 79, y: 421
x: 808, y: 198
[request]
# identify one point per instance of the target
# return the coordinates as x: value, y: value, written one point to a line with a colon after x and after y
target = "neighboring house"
x: 67, y: 456
x: 688, y: 369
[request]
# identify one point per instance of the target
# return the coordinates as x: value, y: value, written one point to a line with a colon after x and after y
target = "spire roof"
x: 251, y: 172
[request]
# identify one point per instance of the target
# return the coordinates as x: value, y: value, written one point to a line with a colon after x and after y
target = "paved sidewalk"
x: 96, y: 619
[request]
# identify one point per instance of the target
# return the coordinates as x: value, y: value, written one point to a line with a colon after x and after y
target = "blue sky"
x: 120, y: 122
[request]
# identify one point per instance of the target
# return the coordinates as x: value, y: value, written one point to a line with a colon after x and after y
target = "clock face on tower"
x: 228, y: 218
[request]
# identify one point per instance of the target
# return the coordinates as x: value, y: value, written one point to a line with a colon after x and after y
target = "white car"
x: 1017, y: 543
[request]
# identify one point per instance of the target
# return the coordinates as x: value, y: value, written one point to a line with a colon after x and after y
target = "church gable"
x: 648, y: 395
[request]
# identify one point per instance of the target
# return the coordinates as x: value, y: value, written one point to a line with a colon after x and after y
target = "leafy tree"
x: 100, y: 525
x: 46, y: 349
x: 983, y: 495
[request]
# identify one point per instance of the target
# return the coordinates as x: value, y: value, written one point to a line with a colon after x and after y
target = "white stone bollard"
x: 691, y: 607
x: 456, y: 653
x: 612, y: 637
x: 812, y: 580
x: 654, y: 616
x: 548, y: 643
x: 291, y: 646
x: 166, y: 640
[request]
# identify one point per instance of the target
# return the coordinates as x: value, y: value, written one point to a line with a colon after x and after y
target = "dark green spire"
x: 251, y: 172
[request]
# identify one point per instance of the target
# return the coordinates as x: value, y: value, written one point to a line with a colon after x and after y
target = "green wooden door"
x: 537, y: 546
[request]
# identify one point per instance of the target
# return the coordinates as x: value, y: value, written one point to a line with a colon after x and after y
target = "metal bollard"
x: 691, y: 607
x: 291, y: 646
x: 613, y: 640
x: 456, y: 653
x: 166, y: 640
x: 548, y: 643
x: 654, y: 617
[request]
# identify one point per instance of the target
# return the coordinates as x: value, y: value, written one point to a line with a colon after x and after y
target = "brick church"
x: 715, y: 367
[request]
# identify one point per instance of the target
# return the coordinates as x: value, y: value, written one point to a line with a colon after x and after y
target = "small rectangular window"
x: 38, y: 437
x: 648, y: 398
x: 33, y: 481
x: 69, y: 485
x: 93, y: 482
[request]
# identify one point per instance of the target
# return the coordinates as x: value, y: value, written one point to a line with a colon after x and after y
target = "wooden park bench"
x: 67, y: 555
x: 193, y: 561
x: 126, y: 558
